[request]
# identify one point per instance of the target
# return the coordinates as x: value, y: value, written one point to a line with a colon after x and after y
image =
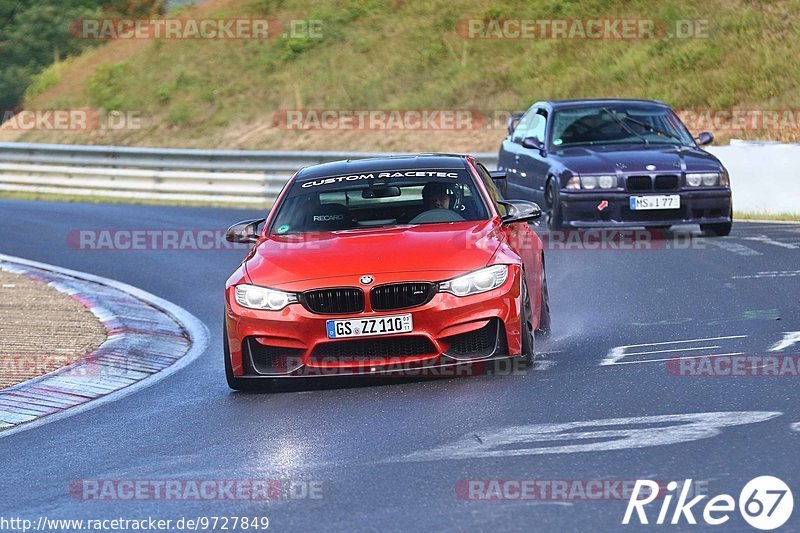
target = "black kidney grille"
x: 342, y: 300
x: 401, y: 295
x: 365, y: 349
x: 667, y: 182
x: 640, y: 183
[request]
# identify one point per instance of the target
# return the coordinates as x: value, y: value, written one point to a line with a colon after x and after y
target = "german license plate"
x: 665, y: 201
x: 366, y: 327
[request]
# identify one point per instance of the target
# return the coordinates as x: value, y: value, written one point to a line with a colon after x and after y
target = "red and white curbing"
x: 148, y: 338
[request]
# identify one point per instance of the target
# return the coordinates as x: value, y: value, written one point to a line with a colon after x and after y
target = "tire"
x: 718, y: 230
x: 556, y: 219
x: 528, y: 339
x: 543, y: 332
x: 234, y: 382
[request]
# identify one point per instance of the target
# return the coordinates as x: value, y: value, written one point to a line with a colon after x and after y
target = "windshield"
x: 618, y: 124
x: 379, y: 199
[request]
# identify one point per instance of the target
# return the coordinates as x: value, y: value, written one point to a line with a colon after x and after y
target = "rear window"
x: 379, y: 199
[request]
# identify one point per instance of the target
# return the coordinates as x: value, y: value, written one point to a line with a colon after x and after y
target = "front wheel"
x: 556, y: 219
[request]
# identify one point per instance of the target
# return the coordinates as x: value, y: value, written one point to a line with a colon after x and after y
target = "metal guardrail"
x: 221, y: 176
x: 255, y: 177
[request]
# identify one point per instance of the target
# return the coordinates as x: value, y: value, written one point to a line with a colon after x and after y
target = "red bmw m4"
x: 385, y: 266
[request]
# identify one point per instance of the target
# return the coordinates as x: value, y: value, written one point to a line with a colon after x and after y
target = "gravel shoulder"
x: 41, y: 329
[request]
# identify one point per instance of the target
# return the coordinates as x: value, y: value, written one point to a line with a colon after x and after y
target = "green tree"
x: 35, y: 33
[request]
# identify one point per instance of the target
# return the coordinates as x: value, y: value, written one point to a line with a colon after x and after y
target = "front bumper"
x: 612, y: 209
x: 449, y: 332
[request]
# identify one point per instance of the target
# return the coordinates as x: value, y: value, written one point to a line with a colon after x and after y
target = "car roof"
x: 377, y: 164
x: 564, y: 104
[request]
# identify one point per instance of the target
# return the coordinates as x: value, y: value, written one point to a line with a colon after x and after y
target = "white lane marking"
x: 771, y: 274
x: 643, y: 432
x: 735, y: 248
x: 795, y: 426
x: 685, y: 340
x: 198, y: 333
x: 673, y: 350
x: 619, y: 352
x: 615, y: 354
x: 677, y: 358
x: 544, y: 364
x: 789, y: 338
x: 767, y: 240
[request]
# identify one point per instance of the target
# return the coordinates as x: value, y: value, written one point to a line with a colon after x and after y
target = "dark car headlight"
x: 605, y: 181
x: 706, y: 179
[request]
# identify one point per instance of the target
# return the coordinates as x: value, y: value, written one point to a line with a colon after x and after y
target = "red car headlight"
x: 255, y: 297
x: 476, y: 282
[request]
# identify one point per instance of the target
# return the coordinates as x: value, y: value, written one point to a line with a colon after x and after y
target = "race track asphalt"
x: 395, y: 456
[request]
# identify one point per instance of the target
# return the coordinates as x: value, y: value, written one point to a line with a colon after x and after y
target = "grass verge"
x: 413, y: 55
x: 778, y: 217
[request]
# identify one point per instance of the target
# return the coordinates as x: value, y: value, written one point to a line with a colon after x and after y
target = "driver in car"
x: 435, y: 196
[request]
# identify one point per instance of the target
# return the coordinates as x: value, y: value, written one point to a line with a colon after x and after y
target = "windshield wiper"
x: 652, y: 128
x: 625, y: 126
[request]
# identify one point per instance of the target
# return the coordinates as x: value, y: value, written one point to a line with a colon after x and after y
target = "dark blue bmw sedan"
x: 609, y: 163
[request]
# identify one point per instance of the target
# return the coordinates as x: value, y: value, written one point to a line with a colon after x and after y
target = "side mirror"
x: 245, y: 231
x: 704, y: 138
x: 498, y: 176
x: 500, y: 179
x: 533, y: 143
x: 520, y: 211
x: 513, y: 120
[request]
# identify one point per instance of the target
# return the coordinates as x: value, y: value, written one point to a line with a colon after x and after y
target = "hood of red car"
x: 451, y: 249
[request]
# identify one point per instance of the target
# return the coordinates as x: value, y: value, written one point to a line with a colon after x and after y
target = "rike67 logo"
x: 765, y: 503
